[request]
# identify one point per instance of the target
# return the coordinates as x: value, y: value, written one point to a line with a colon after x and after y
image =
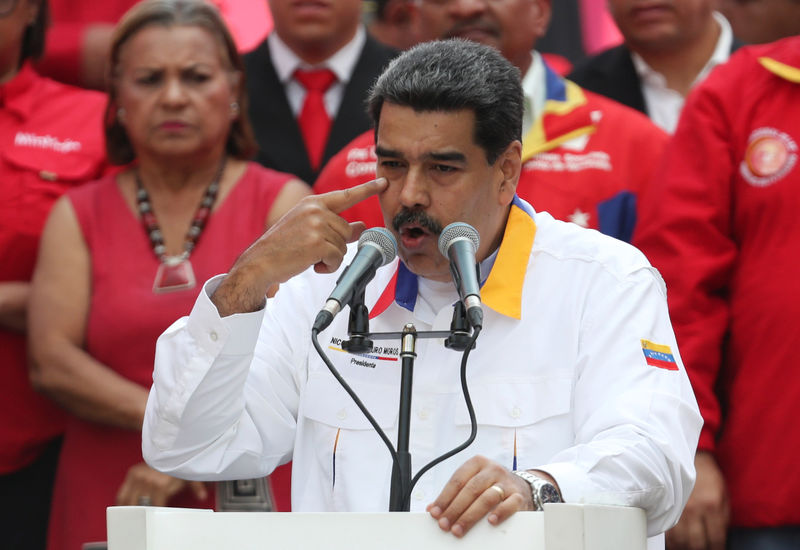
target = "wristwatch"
x: 542, y: 491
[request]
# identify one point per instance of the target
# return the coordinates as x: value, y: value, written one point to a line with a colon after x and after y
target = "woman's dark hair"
x: 34, y: 36
x: 192, y: 13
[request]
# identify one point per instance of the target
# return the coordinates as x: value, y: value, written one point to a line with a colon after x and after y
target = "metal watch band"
x: 542, y: 491
x: 530, y: 479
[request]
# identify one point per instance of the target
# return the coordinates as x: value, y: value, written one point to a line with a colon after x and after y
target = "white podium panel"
x: 559, y: 527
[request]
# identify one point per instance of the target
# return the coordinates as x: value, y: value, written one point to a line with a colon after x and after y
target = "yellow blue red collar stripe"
x: 402, y: 288
x: 551, y: 128
x: 502, y: 290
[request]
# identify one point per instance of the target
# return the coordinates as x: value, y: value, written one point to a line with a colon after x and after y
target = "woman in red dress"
x: 122, y: 258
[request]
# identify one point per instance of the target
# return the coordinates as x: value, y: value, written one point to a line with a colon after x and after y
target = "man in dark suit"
x: 669, y: 47
x: 325, y: 34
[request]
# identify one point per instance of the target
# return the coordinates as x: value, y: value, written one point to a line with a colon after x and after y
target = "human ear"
x: 544, y: 10
x: 510, y: 164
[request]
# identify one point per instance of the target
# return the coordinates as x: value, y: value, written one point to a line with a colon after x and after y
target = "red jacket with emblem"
x: 586, y: 159
x: 721, y: 224
x: 51, y: 139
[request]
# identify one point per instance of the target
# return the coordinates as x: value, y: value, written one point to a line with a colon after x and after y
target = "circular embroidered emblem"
x: 770, y: 155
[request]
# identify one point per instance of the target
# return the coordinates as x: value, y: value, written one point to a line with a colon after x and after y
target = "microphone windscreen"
x: 381, y: 239
x: 457, y: 231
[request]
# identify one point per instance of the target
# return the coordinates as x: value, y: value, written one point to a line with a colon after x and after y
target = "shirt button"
x: 342, y: 414
x: 516, y: 412
x: 213, y: 336
x: 423, y: 414
x: 419, y: 494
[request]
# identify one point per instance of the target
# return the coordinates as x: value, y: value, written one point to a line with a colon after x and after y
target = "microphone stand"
x: 401, y: 470
x: 457, y: 338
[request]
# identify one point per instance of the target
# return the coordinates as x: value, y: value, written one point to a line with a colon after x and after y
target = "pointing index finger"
x: 342, y: 199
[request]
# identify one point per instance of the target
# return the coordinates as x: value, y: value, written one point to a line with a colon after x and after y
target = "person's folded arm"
x: 58, y: 313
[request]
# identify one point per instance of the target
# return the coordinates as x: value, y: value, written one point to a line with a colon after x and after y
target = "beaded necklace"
x: 175, y: 272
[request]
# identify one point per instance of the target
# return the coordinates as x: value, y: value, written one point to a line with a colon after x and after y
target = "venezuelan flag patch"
x: 658, y: 355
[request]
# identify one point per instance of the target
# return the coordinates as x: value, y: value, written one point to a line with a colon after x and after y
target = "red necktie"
x: 315, y: 124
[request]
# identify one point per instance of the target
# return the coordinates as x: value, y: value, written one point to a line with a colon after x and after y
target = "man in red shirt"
x: 721, y: 225
x: 586, y: 158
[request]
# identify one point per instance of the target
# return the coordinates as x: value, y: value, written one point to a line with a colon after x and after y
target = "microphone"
x: 459, y: 243
x: 376, y: 248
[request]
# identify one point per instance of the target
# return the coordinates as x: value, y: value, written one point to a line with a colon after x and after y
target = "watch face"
x: 549, y: 493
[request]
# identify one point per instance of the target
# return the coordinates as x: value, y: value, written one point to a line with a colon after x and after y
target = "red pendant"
x: 174, y: 273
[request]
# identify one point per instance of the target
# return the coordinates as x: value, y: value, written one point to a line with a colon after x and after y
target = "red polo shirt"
x: 51, y: 139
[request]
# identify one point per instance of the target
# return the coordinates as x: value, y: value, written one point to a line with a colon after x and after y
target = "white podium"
x: 559, y: 527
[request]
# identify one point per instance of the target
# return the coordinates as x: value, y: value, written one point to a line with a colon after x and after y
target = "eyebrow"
x: 384, y: 152
x: 447, y: 156
x: 191, y: 67
x: 451, y: 156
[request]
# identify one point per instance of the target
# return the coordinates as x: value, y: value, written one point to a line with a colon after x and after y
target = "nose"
x: 415, y: 192
x: 174, y: 93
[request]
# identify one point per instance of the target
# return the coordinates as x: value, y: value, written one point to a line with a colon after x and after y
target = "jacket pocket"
x: 350, y: 458
x: 517, y: 403
x: 521, y: 422
x: 325, y: 401
x: 49, y: 173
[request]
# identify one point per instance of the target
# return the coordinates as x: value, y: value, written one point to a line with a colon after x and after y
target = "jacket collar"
x: 552, y: 127
x: 783, y: 70
x: 14, y: 94
x: 502, y: 290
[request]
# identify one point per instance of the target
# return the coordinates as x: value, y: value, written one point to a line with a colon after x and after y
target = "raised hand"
x: 310, y: 234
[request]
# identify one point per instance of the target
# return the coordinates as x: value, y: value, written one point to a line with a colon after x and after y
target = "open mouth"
x: 412, y: 236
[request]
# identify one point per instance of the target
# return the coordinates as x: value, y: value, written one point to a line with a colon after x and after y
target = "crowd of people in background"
x: 145, y: 144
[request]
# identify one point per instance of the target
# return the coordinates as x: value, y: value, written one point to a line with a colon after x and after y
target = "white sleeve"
x: 223, y: 405
x: 636, y: 425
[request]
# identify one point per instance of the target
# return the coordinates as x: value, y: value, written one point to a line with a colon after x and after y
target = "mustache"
x: 470, y: 24
x: 419, y: 217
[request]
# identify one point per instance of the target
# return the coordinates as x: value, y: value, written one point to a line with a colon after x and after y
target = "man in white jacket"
x: 578, y: 389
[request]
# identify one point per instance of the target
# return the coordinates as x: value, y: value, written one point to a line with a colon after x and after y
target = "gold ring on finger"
x: 499, y: 490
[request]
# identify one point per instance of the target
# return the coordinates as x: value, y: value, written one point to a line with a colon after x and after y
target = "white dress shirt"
x: 664, y: 104
x: 534, y: 92
x: 342, y: 63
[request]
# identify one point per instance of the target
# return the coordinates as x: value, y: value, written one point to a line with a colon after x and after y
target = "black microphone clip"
x: 459, y: 329
x: 358, y: 327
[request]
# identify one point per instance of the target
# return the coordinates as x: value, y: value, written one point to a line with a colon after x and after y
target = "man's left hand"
x: 480, y: 487
x: 145, y: 486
